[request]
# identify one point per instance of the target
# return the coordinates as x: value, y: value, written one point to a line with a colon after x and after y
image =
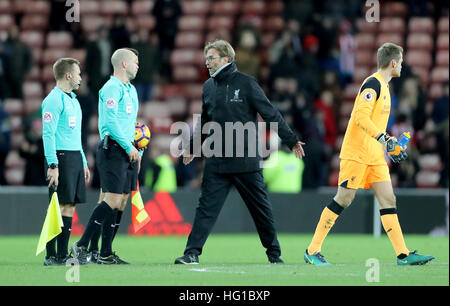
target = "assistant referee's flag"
x: 139, y: 216
x: 52, y: 224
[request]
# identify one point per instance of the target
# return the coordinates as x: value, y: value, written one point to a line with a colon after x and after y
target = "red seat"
x: 418, y: 58
x: 435, y: 91
x: 79, y: 54
x: 215, y: 22
x: 173, y: 91
x: 14, y: 176
x: 142, y: 7
x: 186, y: 57
x: 195, y: 107
x: 31, y: 106
x: 254, y: 20
x: 16, y: 124
x: 351, y: 91
x: 442, y: 58
x: 427, y: 179
x: 218, y: 34
x: 114, y: 7
x: 333, y: 179
x: 254, y: 7
x: 34, y: 22
x: 365, y: 58
x: 394, y: 9
x: 392, y: 25
x: 34, y: 39
x: 6, y: 7
x: 194, y: 91
x: 196, y: 7
x: 35, y: 73
x: 442, y: 41
x: 32, y: 90
x: 274, y: 7
x: 230, y: 7
x: 273, y: 23
x: 61, y: 40
x: 191, y: 23
x: 189, y: 40
x: 41, y: 7
x: 366, y: 27
x: 443, y: 25
x: 423, y: 73
x: 91, y: 23
x: 47, y: 74
x: 51, y: 55
x: 90, y: 7
x: 360, y: 74
x: 6, y: 21
x: 146, y: 22
x: 185, y: 74
x: 14, y: 107
x: 439, y: 74
x: 421, y: 25
x: 392, y: 37
x: 419, y: 41
x: 365, y: 41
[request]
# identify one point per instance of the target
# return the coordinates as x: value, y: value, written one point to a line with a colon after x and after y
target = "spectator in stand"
x: 149, y: 65
x: 439, y: 117
x: 89, y: 105
x: 57, y: 18
x: 412, y: 102
x: 167, y: 13
x: 302, y: 113
x: 247, y: 59
x: 98, y: 60
x: 5, y: 141
x: 347, y: 48
x: 324, y: 104
x: 119, y: 34
x: 19, y: 62
x: 283, y: 95
x: 308, y: 75
x: 32, y: 150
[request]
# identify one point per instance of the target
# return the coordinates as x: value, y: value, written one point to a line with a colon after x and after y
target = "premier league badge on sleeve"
x: 47, y: 117
x: 110, y: 103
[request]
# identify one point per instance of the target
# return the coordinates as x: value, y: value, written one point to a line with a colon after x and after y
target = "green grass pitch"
x: 234, y: 260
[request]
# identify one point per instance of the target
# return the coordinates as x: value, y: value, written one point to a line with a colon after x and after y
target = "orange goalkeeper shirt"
x: 369, y: 118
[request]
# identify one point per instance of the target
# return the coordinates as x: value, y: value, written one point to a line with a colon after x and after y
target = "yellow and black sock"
x: 326, y: 222
x: 391, y: 226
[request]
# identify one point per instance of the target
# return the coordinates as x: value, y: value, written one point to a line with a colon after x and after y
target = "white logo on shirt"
x: 129, y: 108
x: 72, y: 122
x: 110, y: 103
x: 47, y: 117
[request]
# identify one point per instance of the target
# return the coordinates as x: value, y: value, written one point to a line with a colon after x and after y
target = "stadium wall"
x: 23, y: 209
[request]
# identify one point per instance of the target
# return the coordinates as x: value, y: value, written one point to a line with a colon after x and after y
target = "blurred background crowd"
x: 309, y: 56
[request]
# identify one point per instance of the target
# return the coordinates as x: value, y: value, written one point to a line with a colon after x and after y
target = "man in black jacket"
x: 232, y: 98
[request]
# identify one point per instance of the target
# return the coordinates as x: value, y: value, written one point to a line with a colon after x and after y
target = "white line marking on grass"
x: 216, y: 271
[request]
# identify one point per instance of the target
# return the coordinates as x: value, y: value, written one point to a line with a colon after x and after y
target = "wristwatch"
x: 53, y: 166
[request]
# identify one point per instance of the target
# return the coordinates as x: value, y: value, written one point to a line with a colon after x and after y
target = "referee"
x: 118, y: 159
x: 230, y: 96
x: 66, y: 164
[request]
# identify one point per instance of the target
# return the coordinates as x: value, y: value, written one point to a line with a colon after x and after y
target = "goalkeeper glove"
x: 395, y: 151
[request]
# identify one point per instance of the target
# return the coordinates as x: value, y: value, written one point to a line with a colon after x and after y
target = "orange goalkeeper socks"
x: 326, y: 222
x: 392, y: 228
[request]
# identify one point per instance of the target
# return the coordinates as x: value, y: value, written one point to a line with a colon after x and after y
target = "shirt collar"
x: 220, y: 69
x: 127, y: 85
x: 72, y: 94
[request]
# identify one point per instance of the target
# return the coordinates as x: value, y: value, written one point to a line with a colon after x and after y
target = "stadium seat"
x: 227, y: 7
x: 218, y: 34
x: 184, y: 73
x: 61, y: 40
x: 419, y: 41
x: 421, y: 25
x: 90, y: 7
x: 191, y: 23
x: 155, y: 109
x: 91, y: 23
x: 365, y: 58
x: 35, y: 73
x: 145, y: 21
x: 195, y: 107
x: 34, y: 22
x: 427, y: 179
x: 363, y: 26
x: 215, y: 22
x: 79, y: 54
x: 194, y: 91
x: 173, y: 91
x: 189, y: 40
x: 351, y: 91
x: 345, y: 109
x: 47, y: 74
x: 439, y: 74
x: 418, y: 58
x: 268, y: 38
x: 254, y: 7
x: 443, y: 25
x: 392, y: 25
x: 274, y: 7
x: 195, y: 7
x: 41, y: 7
x: 6, y: 21
x: 423, y: 72
x: 142, y: 7
x: 442, y: 58
x: 32, y: 90
x: 435, y: 91
x: 177, y: 106
x: 16, y: 124
x: 254, y: 20
x: 394, y: 9
x: 365, y: 41
x: 6, y: 7
x: 273, y: 23
x: 15, y: 176
x: 442, y: 42
x: 392, y: 37
x: 50, y: 55
x: 360, y: 74
x: 187, y: 57
x: 14, y: 107
x: 109, y: 8
x: 34, y: 39
x: 430, y: 162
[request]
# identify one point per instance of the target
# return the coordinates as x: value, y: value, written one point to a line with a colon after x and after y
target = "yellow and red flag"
x: 139, y: 216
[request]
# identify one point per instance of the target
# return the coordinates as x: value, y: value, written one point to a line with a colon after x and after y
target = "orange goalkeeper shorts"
x: 355, y: 175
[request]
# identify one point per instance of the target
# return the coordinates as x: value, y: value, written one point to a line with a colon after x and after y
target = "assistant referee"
x: 230, y: 96
x: 66, y: 164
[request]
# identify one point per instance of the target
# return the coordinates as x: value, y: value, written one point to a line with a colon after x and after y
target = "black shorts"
x: 117, y: 174
x: 71, y: 183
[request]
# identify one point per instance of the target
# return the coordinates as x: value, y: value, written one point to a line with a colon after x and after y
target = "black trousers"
x: 215, y: 188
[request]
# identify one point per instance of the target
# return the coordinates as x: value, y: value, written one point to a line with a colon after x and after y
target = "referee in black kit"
x: 230, y: 96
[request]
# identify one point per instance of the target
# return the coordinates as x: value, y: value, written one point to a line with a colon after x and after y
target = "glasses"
x: 211, y: 58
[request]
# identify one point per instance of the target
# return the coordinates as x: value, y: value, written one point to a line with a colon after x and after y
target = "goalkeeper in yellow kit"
x: 363, y: 163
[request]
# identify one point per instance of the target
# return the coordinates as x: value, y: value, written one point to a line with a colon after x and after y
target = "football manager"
x: 232, y: 97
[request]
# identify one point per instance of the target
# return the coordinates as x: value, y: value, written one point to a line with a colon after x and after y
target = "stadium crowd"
x: 306, y: 55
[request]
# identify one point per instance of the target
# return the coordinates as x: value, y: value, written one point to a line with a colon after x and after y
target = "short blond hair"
x: 223, y: 47
x: 388, y: 52
x: 62, y: 66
